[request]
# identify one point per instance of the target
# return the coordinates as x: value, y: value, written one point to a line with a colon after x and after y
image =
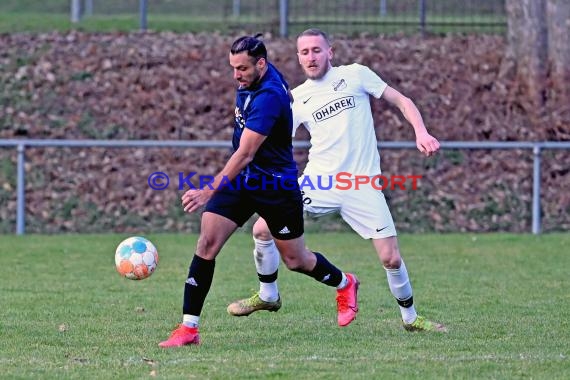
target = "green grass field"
x: 66, y: 313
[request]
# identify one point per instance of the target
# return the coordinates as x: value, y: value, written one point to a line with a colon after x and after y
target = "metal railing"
x: 288, y: 17
x: 21, y: 144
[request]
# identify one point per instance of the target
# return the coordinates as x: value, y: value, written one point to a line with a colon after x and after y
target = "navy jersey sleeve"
x: 266, y: 109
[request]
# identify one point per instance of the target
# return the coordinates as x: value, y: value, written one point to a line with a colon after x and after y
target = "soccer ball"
x: 136, y: 258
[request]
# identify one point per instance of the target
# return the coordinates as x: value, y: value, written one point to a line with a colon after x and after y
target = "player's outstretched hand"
x: 192, y: 200
x: 427, y: 144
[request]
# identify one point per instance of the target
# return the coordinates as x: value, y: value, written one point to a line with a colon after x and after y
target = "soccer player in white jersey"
x: 334, y: 105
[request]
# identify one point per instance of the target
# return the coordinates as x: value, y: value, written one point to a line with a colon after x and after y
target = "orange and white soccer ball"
x: 136, y: 258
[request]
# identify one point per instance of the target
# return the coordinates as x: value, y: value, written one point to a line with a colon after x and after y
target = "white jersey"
x: 336, y: 111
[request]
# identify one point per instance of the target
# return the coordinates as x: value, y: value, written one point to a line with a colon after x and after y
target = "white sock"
x: 400, y: 286
x: 190, y: 320
x: 343, y: 282
x: 266, y: 257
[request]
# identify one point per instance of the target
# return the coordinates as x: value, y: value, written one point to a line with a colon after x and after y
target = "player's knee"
x: 388, y: 252
x: 302, y: 263
x: 390, y: 257
x: 291, y: 263
x: 207, y: 248
x: 261, y: 231
x: 392, y: 261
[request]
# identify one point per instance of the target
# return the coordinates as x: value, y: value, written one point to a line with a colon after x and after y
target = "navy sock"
x: 197, y: 285
x: 325, y: 272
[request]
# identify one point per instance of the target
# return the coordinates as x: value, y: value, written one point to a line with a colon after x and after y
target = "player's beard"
x: 315, y: 75
x: 255, y: 78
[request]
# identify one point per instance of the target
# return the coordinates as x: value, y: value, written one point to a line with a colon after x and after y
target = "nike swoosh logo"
x: 381, y: 229
x: 306, y: 100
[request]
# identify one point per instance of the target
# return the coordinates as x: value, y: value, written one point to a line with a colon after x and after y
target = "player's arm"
x: 249, y: 143
x: 426, y: 143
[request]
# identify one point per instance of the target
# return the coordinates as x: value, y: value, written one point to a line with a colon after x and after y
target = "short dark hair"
x: 315, y: 32
x: 252, y: 45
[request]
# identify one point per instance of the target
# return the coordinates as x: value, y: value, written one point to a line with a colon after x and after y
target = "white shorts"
x: 365, y: 210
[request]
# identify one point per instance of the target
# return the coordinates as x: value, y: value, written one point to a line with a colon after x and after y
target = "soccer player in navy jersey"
x: 334, y: 105
x: 260, y: 177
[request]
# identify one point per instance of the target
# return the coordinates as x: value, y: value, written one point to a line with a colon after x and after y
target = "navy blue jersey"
x: 265, y: 108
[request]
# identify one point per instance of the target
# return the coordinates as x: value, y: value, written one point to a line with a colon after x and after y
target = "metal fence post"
x: 88, y: 8
x: 536, y: 190
x: 21, y: 192
x: 75, y: 11
x: 383, y: 10
x: 283, y: 18
x: 143, y: 10
x: 236, y: 8
x: 423, y: 11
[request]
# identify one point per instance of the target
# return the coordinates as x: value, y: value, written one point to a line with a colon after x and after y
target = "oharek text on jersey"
x: 333, y: 108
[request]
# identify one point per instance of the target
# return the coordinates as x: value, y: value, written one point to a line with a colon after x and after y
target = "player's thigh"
x: 367, y: 213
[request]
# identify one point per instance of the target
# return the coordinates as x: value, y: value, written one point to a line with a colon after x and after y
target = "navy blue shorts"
x: 278, y: 202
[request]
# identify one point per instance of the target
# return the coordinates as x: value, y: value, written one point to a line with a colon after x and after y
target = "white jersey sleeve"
x: 371, y: 82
